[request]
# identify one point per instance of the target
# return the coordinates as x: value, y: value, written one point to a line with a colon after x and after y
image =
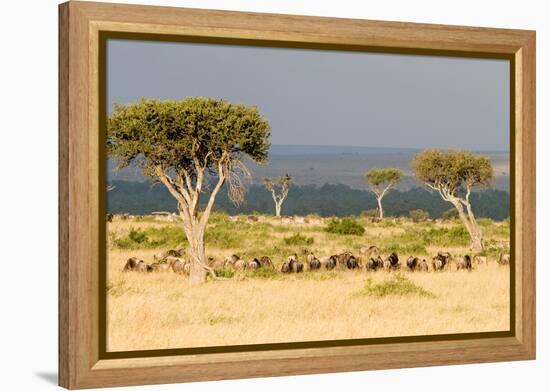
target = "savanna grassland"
x: 162, y: 310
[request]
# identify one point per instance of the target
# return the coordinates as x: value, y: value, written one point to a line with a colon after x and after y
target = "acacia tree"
x: 380, y: 180
x: 185, y: 145
x: 454, y: 174
x: 279, y: 190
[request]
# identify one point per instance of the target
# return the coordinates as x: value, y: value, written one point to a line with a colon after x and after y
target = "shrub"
x: 167, y: 236
x: 298, y: 240
x: 345, y: 226
x: 398, y: 285
x: 419, y: 215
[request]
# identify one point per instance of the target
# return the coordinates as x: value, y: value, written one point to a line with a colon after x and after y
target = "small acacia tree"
x: 453, y: 174
x: 279, y: 190
x: 380, y: 181
x: 184, y: 144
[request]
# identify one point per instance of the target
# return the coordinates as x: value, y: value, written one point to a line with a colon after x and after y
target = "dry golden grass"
x: 161, y: 310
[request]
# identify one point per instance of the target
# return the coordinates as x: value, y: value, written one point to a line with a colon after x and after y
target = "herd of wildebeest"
x: 173, y: 260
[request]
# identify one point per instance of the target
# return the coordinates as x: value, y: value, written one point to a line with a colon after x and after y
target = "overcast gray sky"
x: 316, y: 97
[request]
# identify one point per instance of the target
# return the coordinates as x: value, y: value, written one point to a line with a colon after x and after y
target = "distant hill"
x: 326, y: 200
x: 320, y: 165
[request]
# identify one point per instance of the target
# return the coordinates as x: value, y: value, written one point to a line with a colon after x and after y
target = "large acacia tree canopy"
x: 452, y: 169
x: 171, y: 134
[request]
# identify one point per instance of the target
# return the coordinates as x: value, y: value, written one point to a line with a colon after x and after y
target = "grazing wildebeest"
x: 394, y: 261
x: 465, y: 263
x: 347, y: 260
x: 387, y: 264
x: 329, y: 262
x: 265, y: 261
x: 441, y: 260
x: 142, y: 267
x: 254, y: 264
x: 230, y: 261
x: 313, y: 262
x: 296, y: 266
x: 178, y: 253
x: 374, y: 264
x: 159, y: 267
x: 292, y: 265
x: 109, y: 217
x: 437, y: 264
x: 422, y: 266
x: 481, y: 260
x: 131, y: 263
x: 215, y: 263
x: 240, y: 265
x: 179, y: 266
x: 504, y: 259
x: 412, y: 262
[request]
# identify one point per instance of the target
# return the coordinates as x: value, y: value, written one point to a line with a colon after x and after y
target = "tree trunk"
x: 472, y: 227
x: 277, y: 209
x: 380, y: 210
x: 197, y: 271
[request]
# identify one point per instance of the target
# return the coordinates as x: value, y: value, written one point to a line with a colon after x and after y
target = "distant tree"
x: 380, y: 180
x: 184, y: 144
x: 279, y: 190
x: 454, y: 174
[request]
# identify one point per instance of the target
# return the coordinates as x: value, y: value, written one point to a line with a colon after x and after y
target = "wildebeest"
x: 504, y: 259
x: 374, y: 264
x: 292, y: 265
x: 254, y: 264
x: 230, y: 261
x: 481, y: 260
x: 109, y: 217
x: 313, y: 262
x: 347, y: 260
x: 179, y: 266
x: 441, y: 260
x: 412, y: 263
x: 465, y: 263
x: 135, y: 264
x: 394, y: 261
x: 422, y: 266
x: 329, y: 262
x: 252, y: 218
x: 215, y: 263
x: 159, y: 267
x: 240, y: 264
x: 178, y: 253
x: 265, y: 261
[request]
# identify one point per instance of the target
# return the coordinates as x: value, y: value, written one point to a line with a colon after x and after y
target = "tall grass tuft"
x: 398, y: 285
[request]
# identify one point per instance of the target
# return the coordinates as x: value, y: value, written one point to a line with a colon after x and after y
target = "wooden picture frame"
x: 82, y: 362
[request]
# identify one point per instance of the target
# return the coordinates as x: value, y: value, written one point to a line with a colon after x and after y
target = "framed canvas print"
x: 248, y: 195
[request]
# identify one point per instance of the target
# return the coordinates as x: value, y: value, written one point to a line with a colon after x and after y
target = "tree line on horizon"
x: 340, y: 200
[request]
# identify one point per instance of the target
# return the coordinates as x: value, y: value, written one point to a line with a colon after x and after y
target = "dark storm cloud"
x: 315, y: 97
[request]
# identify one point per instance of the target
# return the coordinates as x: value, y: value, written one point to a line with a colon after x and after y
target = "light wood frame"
x: 80, y: 24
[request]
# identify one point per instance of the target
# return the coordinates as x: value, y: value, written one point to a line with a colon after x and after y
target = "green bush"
x: 167, y: 236
x: 345, y: 226
x: 419, y: 215
x: 398, y: 285
x: 298, y: 240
